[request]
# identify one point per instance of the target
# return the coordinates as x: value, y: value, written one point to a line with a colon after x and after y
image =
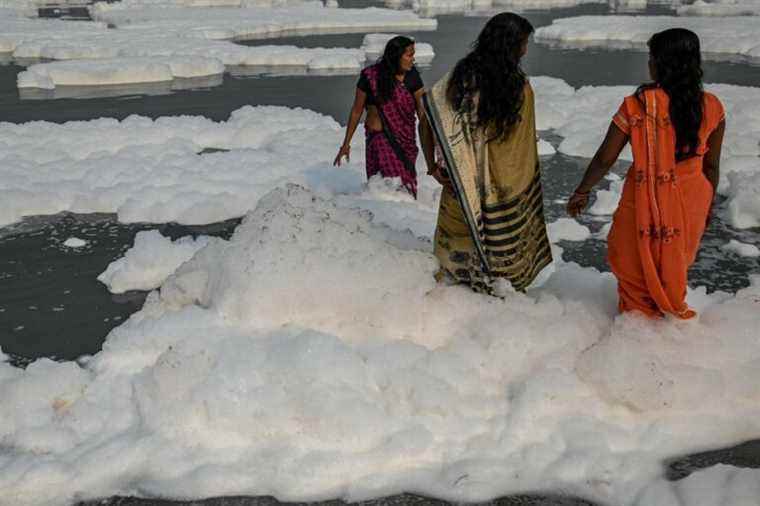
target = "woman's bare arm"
x: 426, y: 133
x: 711, y: 163
x: 357, y: 110
x: 605, y: 157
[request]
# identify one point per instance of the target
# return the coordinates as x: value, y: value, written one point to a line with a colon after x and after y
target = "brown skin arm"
x: 427, y: 139
x: 711, y: 162
x: 426, y: 133
x: 357, y: 110
x: 605, y: 157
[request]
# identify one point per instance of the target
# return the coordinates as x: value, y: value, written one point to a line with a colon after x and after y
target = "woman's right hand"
x: 577, y: 203
x: 345, y: 150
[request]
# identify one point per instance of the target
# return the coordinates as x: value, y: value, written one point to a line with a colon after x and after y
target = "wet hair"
x: 677, y: 65
x: 492, y: 70
x: 389, y: 66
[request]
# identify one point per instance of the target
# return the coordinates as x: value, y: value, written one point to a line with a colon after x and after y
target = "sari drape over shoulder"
x: 661, y: 217
x: 491, y: 225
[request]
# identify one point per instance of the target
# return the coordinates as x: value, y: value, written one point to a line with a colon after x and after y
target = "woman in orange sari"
x: 676, y: 133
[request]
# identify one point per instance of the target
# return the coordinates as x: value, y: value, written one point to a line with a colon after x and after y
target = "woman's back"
x: 713, y: 113
x: 517, y: 149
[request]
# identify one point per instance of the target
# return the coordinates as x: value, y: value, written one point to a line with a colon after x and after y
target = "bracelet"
x: 582, y: 194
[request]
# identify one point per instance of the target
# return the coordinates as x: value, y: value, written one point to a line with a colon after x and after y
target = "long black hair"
x: 492, y: 70
x: 388, y: 66
x: 677, y: 63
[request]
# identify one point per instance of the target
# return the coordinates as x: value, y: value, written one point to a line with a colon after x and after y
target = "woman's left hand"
x: 345, y: 150
x: 439, y: 174
x: 577, y: 203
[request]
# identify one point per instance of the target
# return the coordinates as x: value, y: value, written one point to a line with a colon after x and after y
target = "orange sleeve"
x: 621, y: 119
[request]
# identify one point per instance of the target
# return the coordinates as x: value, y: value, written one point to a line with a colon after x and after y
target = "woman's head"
x: 398, y: 55
x: 492, y: 72
x: 675, y: 65
x: 504, y: 38
x: 674, y: 55
x: 397, y: 58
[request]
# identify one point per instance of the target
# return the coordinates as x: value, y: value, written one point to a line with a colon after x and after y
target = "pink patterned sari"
x: 399, y: 116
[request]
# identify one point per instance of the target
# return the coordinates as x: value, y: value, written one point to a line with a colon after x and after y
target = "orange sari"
x: 659, y: 222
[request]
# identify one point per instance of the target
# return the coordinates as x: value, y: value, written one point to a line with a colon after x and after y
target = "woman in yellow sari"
x: 491, y: 227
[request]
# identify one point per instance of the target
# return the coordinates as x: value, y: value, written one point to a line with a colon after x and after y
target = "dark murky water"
x: 51, y: 303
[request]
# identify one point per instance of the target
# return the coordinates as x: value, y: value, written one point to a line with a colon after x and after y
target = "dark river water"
x: 51, y: 304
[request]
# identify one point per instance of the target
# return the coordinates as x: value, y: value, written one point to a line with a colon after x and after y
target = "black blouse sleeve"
x: 413, y: 80
x: 363, y: 83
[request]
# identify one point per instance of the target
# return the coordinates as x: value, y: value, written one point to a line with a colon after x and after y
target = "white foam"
x: 720, y: 8
x: 741, y: 248
x: 374, y: 45
x: 249, y: 22
x: 74, y: 242
x: 148, y: 263
x: 90, y: 166
x: 313, y: 356
x: 567, y: 229
x: 721, y: 484
x: 150, y: 170
x: 607, y: 200
x: 153, y: 44
x: 216, y: 3
x: 731, y: 37
x: 435, y: 7
x: 117, y: 71
x: 16, y: 30
x: 17, y: 9
x: 581, y: 116
x: 29, y: 8
x: 744, y: 199
x: 545, y: 148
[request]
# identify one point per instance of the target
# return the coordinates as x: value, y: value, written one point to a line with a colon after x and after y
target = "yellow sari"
x: 491, y: 223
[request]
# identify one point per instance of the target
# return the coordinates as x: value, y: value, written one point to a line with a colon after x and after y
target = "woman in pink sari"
x: 391, y: 91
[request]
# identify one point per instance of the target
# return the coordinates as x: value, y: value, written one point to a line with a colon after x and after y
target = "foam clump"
x: 434, y: 7
x: 374, y: 45
x: 151, y: 170
x: 720, y: 8
x: 743, y: 191
x: 148, y: 263
x: 153, y: 42
x: 729, y: 37
x: 567, y: 229
x: 116, y: 71
x: 74, y: 242
x: 287, y: 226
x: 741, y: 248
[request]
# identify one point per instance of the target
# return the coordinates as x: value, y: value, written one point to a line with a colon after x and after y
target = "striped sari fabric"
x: 491, y: 221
